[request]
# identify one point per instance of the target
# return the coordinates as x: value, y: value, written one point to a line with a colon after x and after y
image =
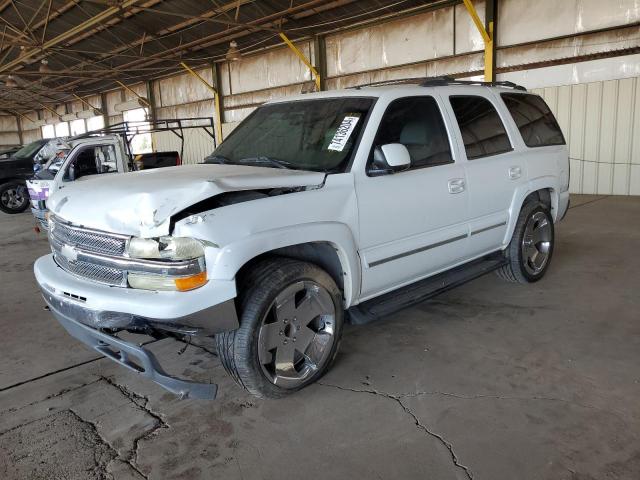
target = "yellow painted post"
x: 488, y: 56
x: 84, y: 102
x: 144, y: 100
x: 304, y: 59
x: 487, y: 38
x: 51, y: 110
x: 216, y: 99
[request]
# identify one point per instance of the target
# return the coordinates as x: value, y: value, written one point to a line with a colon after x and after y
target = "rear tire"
x: 14, y: 197
x: 291, y: 318
x: 531, y: 247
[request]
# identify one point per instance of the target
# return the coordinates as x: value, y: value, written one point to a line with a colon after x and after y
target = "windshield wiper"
x: 219, y: 159
x: 276, y: 162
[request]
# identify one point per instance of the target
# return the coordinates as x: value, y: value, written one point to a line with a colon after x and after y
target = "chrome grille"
x: 96, y: 273
x: 89, y: 240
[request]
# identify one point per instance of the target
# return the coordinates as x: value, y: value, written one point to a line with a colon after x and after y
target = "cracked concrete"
x: 489, y: 381
x: 398, y: 400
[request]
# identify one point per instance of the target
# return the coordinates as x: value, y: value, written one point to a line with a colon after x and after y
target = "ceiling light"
x: 10, y: 82
x: 233, y: 54
x: 44, y: 67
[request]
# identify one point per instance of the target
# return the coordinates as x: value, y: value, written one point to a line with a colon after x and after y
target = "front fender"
x: 228, y: 260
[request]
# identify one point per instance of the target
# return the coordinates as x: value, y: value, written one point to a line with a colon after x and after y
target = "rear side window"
x: 416, y: 123
x: 482, y: 129
x: 535, y: 121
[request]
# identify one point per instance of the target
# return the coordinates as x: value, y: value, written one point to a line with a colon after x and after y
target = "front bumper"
x: 134, y: 357
x: 204, y: 311
x: 41, y: 219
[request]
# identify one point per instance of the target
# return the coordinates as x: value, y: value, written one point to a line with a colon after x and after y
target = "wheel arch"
x: 329, y: 245
x: 542, y: 190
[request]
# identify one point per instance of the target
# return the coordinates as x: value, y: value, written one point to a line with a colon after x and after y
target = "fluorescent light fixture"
x: 68, y: 117
x: 38, y: 123
x: 130, y: 105
x: 88, y: 113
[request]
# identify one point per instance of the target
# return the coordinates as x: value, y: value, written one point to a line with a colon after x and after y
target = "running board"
x: 404, y: 297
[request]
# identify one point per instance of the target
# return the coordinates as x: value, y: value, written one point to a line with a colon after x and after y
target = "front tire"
x: 291, y: 318
x: 529, y: 252
x: 14, y: 197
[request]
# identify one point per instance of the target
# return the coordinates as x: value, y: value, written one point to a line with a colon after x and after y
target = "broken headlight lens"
x: 165, y: 248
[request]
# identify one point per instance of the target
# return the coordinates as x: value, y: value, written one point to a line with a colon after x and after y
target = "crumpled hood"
x: 142, y: 203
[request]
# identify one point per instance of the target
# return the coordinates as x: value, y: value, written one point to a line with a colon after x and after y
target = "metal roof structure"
x: 84, y: 46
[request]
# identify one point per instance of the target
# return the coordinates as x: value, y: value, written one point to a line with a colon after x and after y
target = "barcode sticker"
x: 343, y: 133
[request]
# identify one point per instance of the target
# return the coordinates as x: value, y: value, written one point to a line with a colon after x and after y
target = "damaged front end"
x: 129, y: 355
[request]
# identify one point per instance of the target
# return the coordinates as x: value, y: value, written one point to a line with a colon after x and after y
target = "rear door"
x: 493, y: 168
x: 412, y: 223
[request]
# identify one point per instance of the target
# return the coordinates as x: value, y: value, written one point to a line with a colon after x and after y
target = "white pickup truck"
x: 82, y: 158
x: 314, y: 206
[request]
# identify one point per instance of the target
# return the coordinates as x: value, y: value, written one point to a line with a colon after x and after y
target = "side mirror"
x: 390, y: 158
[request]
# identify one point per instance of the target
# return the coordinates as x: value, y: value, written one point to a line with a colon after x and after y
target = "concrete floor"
x: 488, y: 381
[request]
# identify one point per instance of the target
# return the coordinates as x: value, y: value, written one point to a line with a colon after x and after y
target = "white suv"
x: 314, y: 206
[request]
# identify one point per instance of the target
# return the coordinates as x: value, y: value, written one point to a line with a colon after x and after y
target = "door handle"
x: 456, y: 185
x: 515, y: 173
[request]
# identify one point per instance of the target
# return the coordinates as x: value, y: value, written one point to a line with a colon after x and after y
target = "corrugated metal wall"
x: 601, y: 122
x: 197, y: 144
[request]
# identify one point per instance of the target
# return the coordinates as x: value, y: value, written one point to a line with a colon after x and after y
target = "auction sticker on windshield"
x: 343, y: 133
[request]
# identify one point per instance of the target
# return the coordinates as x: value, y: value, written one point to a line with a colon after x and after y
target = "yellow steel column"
x: 304, y: 59
x: 142, y: 99
x: 216, y: 99
x: 487, y: 38
x: 488, y: 56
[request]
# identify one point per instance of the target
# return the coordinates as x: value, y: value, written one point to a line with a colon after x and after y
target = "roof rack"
x: 402, y: 81
x: 439, y: 81
x: 128, y: 130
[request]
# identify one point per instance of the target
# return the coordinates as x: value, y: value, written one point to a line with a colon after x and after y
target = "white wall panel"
x: 29, y: 136
x: 601, y: 122
x: 197, y: 144
x: 468, y: 38
x: 183, y: 88
x: 9, y: 139
x: 273, y: 68
x: 627, y: 66
x: 414, y: 39
x: 525, y: 21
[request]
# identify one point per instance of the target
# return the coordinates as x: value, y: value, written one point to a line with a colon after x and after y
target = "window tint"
x: 482, y: 130
x: 317, y: 135
x: 535, y: 121
x: 416, y: 122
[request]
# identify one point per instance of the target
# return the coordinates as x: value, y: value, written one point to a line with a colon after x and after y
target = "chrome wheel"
x: 297, y: 334
x: 13, y: 198
x: 536, y: 243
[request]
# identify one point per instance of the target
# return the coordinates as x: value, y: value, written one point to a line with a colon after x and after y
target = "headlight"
x: 168, y: 248
x: 181, y: 250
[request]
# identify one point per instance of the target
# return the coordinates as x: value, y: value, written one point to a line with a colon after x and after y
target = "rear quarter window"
x: 482, y: 129
x: 534, y: 119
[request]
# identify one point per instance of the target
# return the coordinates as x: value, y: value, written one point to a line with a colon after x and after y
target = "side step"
x: 404, y: 297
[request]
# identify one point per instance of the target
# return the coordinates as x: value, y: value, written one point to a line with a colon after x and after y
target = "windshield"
x: 29, y: 150
x: 316, y: 135
x: 52, y: 167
